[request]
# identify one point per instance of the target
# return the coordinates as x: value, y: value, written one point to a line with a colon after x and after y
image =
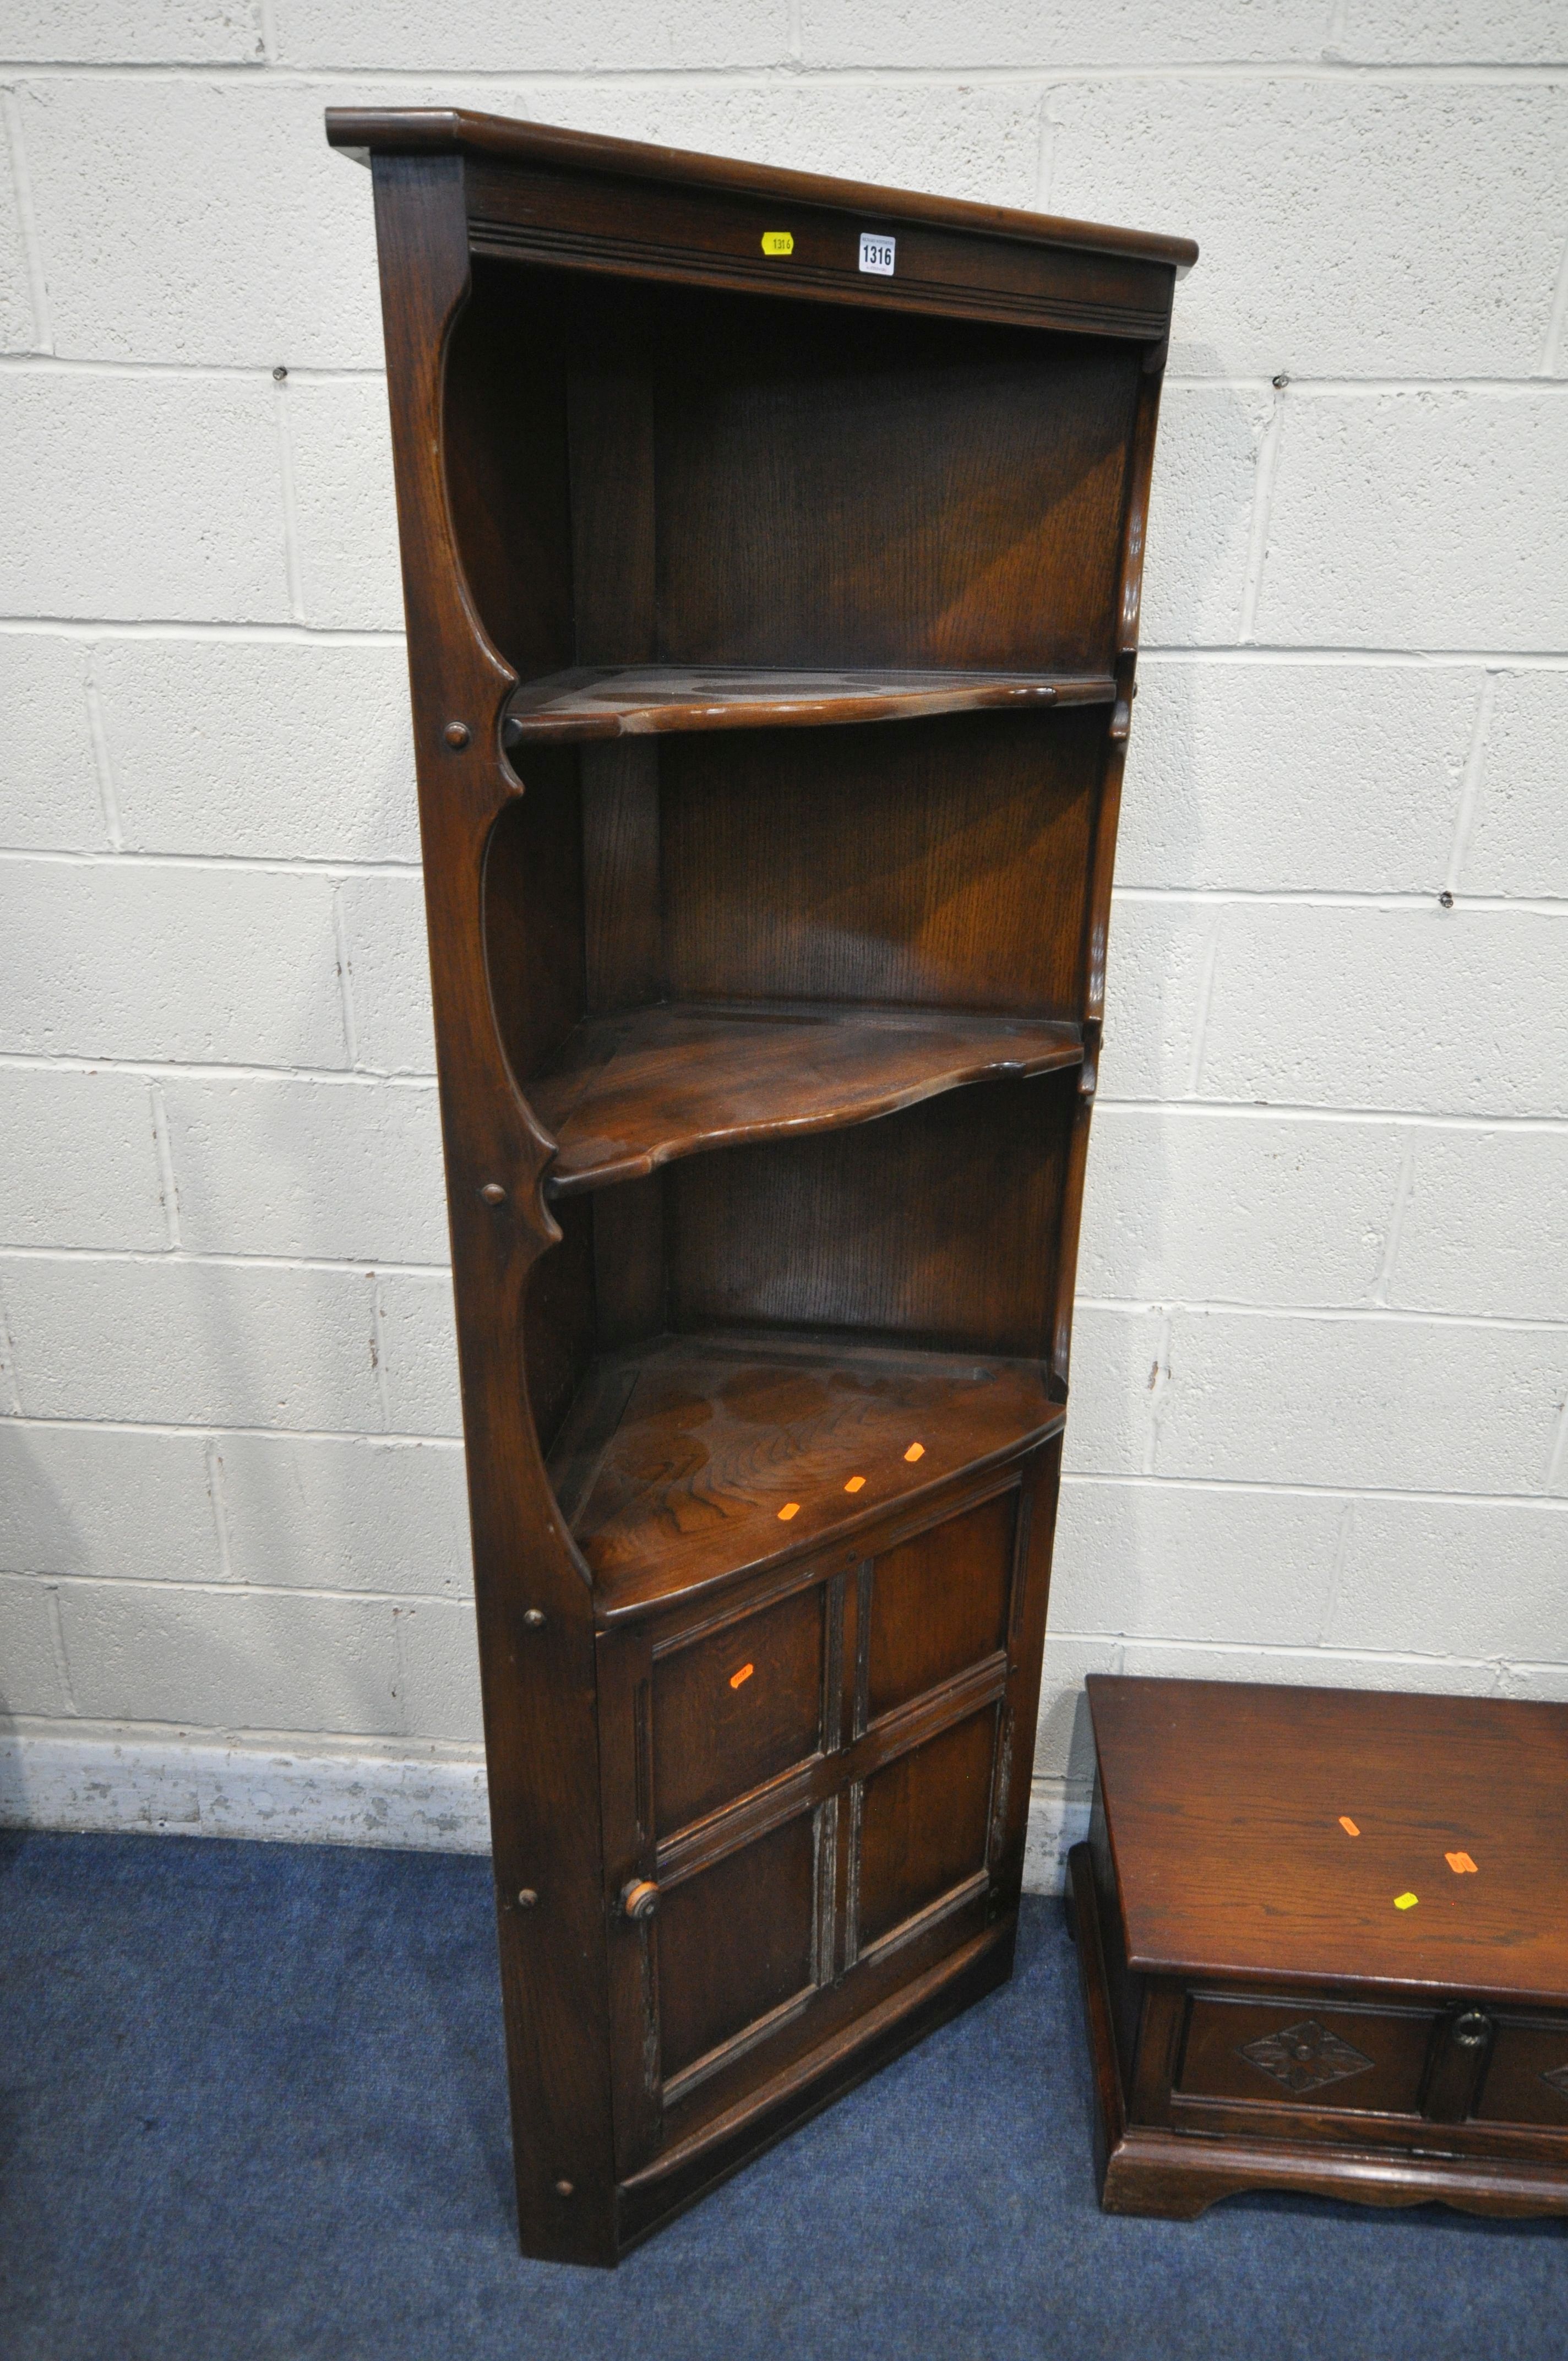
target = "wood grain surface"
x: 441, y: 131
x: 625, y: 1093
x: 1224, y: 1802
x: 638, y: 700
x: 763, y: 1442
x: 680, y: 1454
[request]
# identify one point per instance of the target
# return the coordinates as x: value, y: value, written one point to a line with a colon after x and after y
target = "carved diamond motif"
x: 1306, y: 2056
x: 1558, y: 2078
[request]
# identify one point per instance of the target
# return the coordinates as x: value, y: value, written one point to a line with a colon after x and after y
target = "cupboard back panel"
x: 887, y: 491
x: 559, y: 1336
x: 702, y: 477
x: 917, y: 863
x: 533, y: 916
x: 937, y: 1224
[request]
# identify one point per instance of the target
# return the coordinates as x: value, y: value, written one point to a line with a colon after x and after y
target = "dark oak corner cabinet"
x: 772, y: 551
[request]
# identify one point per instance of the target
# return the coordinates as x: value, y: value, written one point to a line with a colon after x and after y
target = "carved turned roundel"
x: 1305, y: 2057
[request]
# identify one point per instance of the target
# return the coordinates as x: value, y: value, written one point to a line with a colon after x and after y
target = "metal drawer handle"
x: 1470, y: 2029
x: 640, y: 1899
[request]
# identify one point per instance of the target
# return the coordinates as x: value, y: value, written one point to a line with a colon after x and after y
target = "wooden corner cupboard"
x: 771, y: 550
x: 1323, y: 1938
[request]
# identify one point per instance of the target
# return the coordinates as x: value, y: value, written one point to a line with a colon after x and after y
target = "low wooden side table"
x: 1323, y: 1938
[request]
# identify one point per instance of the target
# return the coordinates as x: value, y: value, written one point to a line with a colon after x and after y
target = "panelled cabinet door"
x: 797, y: 1789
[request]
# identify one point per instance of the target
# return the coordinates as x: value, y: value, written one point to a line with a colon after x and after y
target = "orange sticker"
x: 744, y: 1674
x: 791, y: 1509
x: 1348, y: 1826
x: 916, y: 1451
x: 1461, y: 1864
x: 856, y: 1484
x: 1405, y: 1900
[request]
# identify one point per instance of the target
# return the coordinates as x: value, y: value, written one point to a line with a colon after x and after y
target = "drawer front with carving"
x: 1305, y: 2055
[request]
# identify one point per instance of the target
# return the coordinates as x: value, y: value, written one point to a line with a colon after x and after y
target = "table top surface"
x: 1282, y: 1833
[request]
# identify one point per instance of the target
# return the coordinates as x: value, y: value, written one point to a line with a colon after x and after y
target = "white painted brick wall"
x: 1321, y: 1367
x: 235, y: 747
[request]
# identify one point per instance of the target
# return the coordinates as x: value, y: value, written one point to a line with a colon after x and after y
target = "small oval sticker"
x: 777, y: 241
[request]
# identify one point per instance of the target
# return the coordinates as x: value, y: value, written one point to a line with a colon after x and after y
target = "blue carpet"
x: 251, y: 2104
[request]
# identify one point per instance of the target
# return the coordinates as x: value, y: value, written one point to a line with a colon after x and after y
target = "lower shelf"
x: 692, y: 1458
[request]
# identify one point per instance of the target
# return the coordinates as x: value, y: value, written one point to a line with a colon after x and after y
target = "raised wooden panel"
x: 736, y: 1708
x: 939, y: 1602
x: 1288, y: 2055
x: 735, y: 1942
x: 924, y: 1820
x: 924, y: 864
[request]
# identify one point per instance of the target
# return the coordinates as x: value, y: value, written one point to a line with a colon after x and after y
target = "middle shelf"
x: 629, y: 1092
x: 639, y: 701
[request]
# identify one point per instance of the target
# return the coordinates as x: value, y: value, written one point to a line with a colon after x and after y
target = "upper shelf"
x: 595, y: 701
x: 629, y: 1091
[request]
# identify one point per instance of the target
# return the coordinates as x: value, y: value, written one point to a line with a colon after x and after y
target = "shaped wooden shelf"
x: 628, y: 1092
x: 639, y: 700
x: 689, y: 1459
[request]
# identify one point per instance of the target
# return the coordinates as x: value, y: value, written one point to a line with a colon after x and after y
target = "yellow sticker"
x: 1405, y: 1900
x: 777, y: 241
x: 856, y: 1484
x: 916, y: 1451
x: 791, y: 1509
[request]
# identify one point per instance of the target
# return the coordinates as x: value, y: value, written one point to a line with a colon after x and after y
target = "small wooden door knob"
x: 640, y: 1898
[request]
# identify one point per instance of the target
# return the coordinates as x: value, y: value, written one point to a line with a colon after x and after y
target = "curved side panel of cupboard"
x: 772, y: 551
